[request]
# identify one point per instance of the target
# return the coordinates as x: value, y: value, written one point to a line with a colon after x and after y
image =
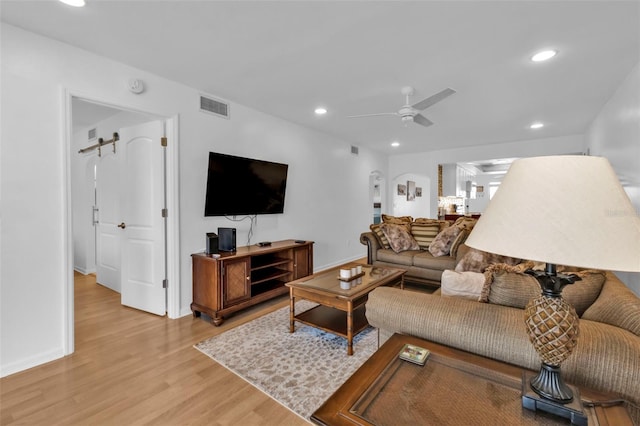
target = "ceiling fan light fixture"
x: 74, y: 3
x: 544, y: 55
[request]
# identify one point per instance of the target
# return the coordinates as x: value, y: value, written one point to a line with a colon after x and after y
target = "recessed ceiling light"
x: 544, y: 55
x: 537, y: 125
x: 395, y: 144
x: 74, y: 3
x: 320, y: 111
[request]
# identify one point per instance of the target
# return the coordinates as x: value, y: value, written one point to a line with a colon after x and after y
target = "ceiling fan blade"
x: 421, y: 119
x: 372, y: 115
x: 426, y: 103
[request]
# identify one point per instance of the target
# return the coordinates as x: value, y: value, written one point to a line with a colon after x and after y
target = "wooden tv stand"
x: 250, y: 275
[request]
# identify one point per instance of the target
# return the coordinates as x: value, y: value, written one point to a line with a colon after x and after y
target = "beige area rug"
x: 300, y: 370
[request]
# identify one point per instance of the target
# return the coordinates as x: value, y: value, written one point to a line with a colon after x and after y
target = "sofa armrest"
x: 371, y: 241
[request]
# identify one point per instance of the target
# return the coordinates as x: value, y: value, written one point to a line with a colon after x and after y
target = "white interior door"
x: 142, y: 193
x: 108, y: 234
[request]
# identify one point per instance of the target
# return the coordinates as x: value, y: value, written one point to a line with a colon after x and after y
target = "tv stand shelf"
x: 274, y: 263
x: 248, y: 276
x: 269, y: 275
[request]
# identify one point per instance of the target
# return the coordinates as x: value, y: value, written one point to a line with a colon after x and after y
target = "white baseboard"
x: 338, y: 263
x: 185, y: 311
x: 33, y: 361
x: 84, y: 271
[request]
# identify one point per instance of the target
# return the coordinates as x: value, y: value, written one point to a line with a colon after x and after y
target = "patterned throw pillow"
x: 398, y: 220
x: 380, y: 235
x: 441, y: 245
x: 465, y: 222
x: 399, y: 237
x: 424, y: 234
x: 460, y: 239
x: 478, y: 261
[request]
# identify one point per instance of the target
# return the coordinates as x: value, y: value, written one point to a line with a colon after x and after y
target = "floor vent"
x: 93, y: 133
x: 214, y: 106
x: 354, y: 150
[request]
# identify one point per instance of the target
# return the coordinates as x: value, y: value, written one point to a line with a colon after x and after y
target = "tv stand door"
x: 302, y: 261
x: 236, y: 281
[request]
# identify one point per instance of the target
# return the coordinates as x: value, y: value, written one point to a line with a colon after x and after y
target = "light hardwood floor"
x: 134, y: 368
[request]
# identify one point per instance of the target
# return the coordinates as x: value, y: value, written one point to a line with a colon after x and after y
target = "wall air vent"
x: 214, y: 106
x: 354, y: 150
x: 93, y: 134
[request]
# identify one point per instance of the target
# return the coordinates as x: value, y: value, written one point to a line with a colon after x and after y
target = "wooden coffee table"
x: 453, y: 388
x: 341, y: 303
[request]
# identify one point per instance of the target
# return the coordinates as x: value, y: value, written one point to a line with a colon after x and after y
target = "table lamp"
x: 560, y: 210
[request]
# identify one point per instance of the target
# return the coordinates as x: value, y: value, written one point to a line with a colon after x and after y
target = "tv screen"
x: 244, y: 186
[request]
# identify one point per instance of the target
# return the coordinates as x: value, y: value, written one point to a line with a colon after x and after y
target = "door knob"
x: 122, y: 225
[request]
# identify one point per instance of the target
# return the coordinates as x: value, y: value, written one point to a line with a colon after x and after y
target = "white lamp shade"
x: 566, y: 210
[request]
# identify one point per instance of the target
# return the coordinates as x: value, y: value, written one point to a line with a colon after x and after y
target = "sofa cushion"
x: 509, y: 286
x: 399, y: 237
x: 403, y: 258
x: 397, y: 220
x: 441, y: 244
x: 467, y: 285
x: 478, y: 260
x: 424, y: 259
x: 425, y: 233
x: 616, y: 305
x: 380, y: 235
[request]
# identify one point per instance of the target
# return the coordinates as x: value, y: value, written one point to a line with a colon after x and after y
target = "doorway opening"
x: 87, y: 121
x: 376, y: 195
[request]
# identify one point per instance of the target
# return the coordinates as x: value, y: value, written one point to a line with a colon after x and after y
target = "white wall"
x: 427, y: 163
x: 615, y: 134
x: 480, y: 203
x: 327, y: 197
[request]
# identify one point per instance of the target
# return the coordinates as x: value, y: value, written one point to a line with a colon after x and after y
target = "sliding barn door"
x: 108, y: 235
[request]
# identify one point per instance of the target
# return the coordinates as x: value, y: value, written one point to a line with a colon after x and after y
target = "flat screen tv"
x: 244, y: 186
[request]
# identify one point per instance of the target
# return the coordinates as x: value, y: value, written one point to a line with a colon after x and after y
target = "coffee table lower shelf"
x: 333, y: 320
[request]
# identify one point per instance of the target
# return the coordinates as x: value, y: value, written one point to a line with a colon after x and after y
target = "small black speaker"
x: 212, y: 243
x: 227, y: 239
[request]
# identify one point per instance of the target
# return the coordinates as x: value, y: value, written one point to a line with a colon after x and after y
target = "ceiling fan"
x: 408, y: 112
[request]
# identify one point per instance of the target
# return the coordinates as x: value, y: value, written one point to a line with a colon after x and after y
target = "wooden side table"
x: 454, y: 387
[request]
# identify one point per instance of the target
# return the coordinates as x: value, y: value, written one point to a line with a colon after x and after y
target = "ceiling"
x: 88, y: 113
x: 353, y: 57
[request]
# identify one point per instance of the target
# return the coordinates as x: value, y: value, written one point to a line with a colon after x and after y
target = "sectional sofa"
x: 437, y: 246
